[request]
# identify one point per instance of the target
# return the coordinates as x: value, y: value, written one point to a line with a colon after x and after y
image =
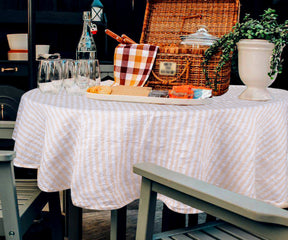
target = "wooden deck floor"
x: 96, y: 224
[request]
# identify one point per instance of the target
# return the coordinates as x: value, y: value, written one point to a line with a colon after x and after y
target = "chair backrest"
x: 8, y: 195
x: 7, y: 143
x: 17, y: 216
x: 6, y: 129
x: 257, y: 217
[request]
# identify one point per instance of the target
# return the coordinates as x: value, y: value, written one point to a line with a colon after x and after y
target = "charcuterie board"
x: 151, y: 100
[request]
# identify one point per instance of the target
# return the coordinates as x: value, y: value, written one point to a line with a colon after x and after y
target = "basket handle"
x: 192, y: 16
x: 166, y: 82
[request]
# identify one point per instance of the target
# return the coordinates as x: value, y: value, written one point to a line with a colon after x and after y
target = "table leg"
x: 73, y: 219
x: 118, y: 224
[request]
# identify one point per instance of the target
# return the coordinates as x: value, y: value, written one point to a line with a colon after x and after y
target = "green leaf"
x: 264, y: 28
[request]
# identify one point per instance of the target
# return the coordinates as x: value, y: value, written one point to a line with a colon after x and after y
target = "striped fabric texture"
x: 133, y: 63
x: 90, y: 146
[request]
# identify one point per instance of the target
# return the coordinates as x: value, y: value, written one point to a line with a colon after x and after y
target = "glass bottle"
x: 86, y: 47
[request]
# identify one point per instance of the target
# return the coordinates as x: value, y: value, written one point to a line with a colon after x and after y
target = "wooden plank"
x: 6, y: 133
x: 22, y: 201
x: 7, y: 124
x: 181, y: 237
x: 27, y: 193
x: 28, y: 185
x: 199, y: 235
x: 7, y: 156
x: 237, y: 232
x: 26, y: 181
x: 26, y: 190
x: 199, y: 227
x: 217, y: 233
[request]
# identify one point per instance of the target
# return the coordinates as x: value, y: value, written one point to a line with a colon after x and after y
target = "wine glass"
x: 50, y: 76
x: 69, y: 74
x: 87, y: 73
x: 94, y: 72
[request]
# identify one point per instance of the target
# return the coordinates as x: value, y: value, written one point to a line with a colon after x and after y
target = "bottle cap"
x: 86, y: 15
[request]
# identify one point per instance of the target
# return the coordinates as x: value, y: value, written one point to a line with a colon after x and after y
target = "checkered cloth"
x: 133, y: 63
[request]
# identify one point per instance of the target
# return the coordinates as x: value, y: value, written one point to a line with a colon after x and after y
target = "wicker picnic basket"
x: 166, y: 20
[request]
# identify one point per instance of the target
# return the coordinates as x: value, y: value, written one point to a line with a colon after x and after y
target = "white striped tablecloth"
x: 90, y: 146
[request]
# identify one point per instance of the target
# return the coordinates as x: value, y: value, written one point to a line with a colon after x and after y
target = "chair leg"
x: 9, y: 203
x: 192, y: 220
x: 210, y: 218
x: 147, y: 206
x: 172, y: 220
x: 118, y: 224
x: 56, y: 216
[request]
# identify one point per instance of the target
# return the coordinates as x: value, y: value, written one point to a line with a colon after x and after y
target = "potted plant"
x: 260, y: 44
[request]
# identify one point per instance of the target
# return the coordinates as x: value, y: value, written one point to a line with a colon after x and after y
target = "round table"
x: 90, y: 146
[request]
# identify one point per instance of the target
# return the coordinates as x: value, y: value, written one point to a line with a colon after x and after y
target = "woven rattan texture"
x: 166, y: 20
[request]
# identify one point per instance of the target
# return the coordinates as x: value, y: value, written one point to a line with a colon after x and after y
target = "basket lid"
x: 166, y: 20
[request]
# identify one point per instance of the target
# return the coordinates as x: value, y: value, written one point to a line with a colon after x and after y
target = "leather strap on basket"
x: 192, y: 16
x: 166, y: 82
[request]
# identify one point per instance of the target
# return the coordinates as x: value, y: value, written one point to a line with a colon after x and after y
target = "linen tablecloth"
x: 90, y: 146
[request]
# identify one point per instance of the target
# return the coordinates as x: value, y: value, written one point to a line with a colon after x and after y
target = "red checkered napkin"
x: 133, y: 63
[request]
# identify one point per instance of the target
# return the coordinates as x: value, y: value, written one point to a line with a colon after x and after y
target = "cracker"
x: 100, y: 89
x: 105, y: 90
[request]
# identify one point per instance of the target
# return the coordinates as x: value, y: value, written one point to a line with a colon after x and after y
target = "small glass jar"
x: 159, y: 93
x: 201, y: 38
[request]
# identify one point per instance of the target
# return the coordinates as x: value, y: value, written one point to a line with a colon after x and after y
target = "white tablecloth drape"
x: 90, y: 146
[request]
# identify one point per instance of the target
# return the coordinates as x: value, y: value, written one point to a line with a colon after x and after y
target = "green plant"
x: 266, y: 28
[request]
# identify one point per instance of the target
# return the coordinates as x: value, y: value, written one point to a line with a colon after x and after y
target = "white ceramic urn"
x: 254, y: 57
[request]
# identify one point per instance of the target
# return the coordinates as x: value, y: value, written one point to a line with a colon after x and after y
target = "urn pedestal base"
x: 255, y: 94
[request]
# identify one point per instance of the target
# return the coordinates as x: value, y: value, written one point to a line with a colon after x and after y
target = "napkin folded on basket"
x: 133, y: 63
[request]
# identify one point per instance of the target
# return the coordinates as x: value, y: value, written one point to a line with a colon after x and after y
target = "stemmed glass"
x: 69, y: 72
x: 50, y: 76
x: 87, y: 74
x: 94, y: 70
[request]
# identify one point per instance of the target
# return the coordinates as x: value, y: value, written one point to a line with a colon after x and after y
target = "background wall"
x: 124, y: 16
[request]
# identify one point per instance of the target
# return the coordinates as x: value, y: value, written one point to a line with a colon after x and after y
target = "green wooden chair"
x: 21, y: 201
x: 241, y: 217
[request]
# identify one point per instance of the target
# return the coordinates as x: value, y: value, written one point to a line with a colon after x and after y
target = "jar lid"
x: 201, y: 37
